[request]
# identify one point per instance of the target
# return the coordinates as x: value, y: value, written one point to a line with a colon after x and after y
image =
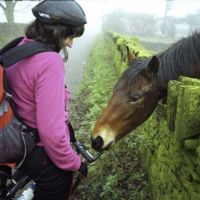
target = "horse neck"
x: 164, y: 74
x: 182, y: 58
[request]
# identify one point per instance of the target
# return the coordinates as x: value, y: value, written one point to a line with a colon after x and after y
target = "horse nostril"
x: 97, y: 143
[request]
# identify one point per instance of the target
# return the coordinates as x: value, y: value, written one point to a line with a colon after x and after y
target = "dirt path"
x: 77, y: 60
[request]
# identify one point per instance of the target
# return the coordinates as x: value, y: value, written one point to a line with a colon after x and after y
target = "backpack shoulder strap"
x: 12, y: 53
x: 20, y: 52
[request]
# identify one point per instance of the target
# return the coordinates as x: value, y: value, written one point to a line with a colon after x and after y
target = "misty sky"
x: 96, y: 9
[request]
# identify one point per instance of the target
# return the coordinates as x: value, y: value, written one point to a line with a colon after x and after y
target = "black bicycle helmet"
x: 67, y: 12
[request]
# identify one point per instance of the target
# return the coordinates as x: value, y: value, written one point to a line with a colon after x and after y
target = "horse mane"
x: 173, y: 62
x: 178, y: 59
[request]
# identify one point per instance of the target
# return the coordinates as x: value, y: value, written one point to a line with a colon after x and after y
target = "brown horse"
x: 141, y: 86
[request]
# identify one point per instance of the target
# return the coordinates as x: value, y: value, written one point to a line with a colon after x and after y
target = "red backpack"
x: 16, y: 139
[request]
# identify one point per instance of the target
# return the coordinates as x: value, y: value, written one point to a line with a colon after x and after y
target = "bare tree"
x: 140, y: 24
x: 131, y: 23
x: 8, y: 8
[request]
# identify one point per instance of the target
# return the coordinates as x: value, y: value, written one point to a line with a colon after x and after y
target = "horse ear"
x: 130, y: 55
x: 152, y: 68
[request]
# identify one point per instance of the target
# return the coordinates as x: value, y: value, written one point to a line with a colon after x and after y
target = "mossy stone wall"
x: 169, y: 141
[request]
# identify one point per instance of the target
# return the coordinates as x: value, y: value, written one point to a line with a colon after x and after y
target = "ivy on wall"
x: 168, y: 142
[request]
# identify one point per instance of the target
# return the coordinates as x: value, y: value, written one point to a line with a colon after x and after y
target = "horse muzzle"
x: 97, y: 143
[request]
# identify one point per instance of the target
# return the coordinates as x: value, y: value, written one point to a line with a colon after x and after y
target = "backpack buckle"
x: 8, y: 96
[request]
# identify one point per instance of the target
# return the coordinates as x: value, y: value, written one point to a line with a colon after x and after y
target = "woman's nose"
x: 69, y: 42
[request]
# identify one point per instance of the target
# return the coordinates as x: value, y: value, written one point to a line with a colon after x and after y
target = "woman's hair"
x: 53, y: 35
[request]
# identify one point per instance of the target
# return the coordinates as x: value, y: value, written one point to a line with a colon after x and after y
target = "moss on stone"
x: 172, y: 103
x: 174, y: 167
x: 191, y: 143
x: 187, y: 123
x: 189, y: 81
x: 168, y: 141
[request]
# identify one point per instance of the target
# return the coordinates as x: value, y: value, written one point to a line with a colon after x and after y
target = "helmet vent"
x: 44, y: 15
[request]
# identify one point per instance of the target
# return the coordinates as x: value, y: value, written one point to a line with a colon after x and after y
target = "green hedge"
x: 168, y: 142
x: 118, y: 174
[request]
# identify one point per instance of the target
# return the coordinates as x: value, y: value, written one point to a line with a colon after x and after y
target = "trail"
x: 77, y: 58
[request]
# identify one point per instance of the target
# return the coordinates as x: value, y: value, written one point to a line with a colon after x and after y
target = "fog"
x: 98, y: 12
x: 152, y: 21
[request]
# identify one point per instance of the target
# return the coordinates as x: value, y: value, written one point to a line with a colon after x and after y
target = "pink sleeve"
x: 50, y: 115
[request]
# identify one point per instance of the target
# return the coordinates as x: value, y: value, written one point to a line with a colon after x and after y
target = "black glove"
x: 83, y: 170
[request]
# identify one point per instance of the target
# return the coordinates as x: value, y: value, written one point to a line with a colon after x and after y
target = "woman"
x: 37, y: 85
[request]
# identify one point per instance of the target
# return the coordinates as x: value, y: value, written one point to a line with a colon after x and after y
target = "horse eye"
x: 135, y: 98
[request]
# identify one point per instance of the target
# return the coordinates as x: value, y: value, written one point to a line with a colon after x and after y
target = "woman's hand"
x: 83, y: 170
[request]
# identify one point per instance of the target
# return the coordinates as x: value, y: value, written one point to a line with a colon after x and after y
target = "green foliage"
x: 168, y: 142
x: 171, y: 156
x: 133, y: 44
x: 98, y: 81
x: 118, y: 174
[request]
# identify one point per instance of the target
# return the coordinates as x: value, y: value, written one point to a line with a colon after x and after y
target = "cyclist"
x: 37, y: 85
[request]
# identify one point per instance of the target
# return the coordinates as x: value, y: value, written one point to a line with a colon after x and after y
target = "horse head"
x: 141, y: 86
x: 134, y: 98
